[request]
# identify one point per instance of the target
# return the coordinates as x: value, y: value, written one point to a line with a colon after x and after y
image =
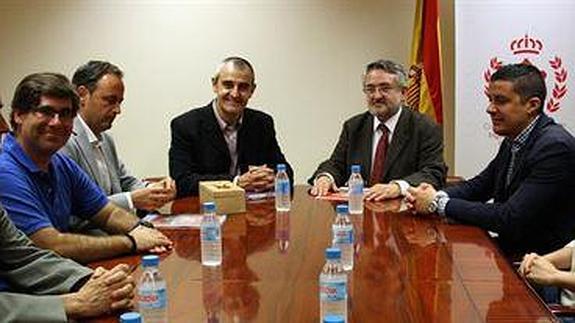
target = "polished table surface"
x: 407, y: 269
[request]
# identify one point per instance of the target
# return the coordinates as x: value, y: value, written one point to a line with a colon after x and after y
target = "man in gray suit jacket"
x: 101, y: 89
x: 395, y: 146
x: 61, y: 289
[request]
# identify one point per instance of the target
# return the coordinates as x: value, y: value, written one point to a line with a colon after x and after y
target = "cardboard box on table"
x: 229, y: 198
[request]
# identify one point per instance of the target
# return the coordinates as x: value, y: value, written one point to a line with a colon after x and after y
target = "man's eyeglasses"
x: 385, y: 89
x: 46, y: 111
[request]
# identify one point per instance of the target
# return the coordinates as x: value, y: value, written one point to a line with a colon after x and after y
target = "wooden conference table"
x: 407, y: 269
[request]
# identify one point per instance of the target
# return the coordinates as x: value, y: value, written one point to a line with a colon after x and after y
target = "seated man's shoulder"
x: 556, y: 134
x: 192, y: 115
x: 358, y: 120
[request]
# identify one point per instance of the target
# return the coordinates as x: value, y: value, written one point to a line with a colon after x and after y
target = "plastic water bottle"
x: 355, y: 186
x: 342, y: 230
x: 283, y: 190
x: 131, y: 317
x: 333, y: 285
x: 152, y: 291
x: 211, y: 236
x: 333, y: 319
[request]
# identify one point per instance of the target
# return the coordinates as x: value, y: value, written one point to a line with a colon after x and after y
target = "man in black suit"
x: 531, y: 180
x: 225, y: 139
x: 395, y: 146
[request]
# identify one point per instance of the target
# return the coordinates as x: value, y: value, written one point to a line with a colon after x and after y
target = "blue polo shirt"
x: 36, y: 199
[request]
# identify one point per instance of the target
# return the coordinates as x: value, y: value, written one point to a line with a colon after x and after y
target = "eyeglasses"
x: 64, y: 115
x: 385, y: 89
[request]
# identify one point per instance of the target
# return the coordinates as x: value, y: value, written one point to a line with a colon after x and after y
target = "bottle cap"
x: 209, y: 207
x: 281, y: 167
x: 131, y: 317
x: 342, y: 208
x: 332, y: 253
x: 150, y: 260
x: 333, y: 319
x: 355, y: 168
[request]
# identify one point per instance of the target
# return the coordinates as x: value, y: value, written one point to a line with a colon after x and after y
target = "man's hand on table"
x: 106, y: 291
x: 150, y: 240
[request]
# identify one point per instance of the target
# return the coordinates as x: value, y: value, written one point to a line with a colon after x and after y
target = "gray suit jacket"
x: 415, y: 153
x: 81, y: 151
x: 30, y: 270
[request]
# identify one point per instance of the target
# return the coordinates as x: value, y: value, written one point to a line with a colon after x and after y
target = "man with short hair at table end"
x: 225, y: 140
x: 531, y: 180
x: 41, y: 189
x: 101, y: 89
x: 39, y: 286
x: 395, y: 146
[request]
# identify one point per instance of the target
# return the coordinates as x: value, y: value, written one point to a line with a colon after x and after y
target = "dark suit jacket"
x: 415, y: 153
x: 199, y: 152
x: 536, y: 213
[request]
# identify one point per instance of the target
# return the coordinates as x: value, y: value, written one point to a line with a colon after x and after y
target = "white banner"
x: 490, y: 33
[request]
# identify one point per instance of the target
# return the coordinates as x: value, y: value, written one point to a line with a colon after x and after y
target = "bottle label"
x: 356, y: 188
x: 342, y: 236
x: 333, y: 291
x: 282, y: 187
x: 152, y: 298
x: 210, y: 233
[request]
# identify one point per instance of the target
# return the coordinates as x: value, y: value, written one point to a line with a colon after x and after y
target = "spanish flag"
x: 424, y: 90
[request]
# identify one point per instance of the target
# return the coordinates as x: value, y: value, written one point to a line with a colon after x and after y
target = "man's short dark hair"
x: 239, y: 63
x: 90, y: 73
x: 390, y: 67
x: 34, y: 86
x: 527, y: 81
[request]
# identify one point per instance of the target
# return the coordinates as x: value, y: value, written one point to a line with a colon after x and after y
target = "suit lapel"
x: 214, y: 133
x: 85, y: 148
x: 365, y: 147
x: 400, y: 136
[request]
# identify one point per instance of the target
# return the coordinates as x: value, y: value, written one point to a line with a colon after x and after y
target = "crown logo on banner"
x: 526, y: 45
x: 528, y: 50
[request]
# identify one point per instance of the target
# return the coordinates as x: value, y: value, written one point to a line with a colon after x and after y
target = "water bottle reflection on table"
x: 212, y: 293
x: 282, y: 231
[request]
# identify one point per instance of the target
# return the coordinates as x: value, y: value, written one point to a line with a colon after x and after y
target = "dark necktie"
x: 379, y: 159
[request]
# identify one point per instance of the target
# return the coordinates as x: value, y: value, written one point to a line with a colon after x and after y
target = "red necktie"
x: 380, y: 152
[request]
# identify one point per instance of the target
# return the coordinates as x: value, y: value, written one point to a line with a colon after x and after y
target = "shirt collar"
x: 221, y: 122
x: 389, y: 123
x: 13, y: 148
x: 522, y: 137
x: 92, y: 138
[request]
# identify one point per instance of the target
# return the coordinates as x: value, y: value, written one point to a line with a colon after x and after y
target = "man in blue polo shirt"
x: 42, y: 189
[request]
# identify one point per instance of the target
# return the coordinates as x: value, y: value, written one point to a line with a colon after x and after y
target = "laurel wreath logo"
x: 560, y: 76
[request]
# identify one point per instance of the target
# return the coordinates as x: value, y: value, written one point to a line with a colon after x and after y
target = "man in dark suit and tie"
x: 225, y: 140
x: 527, y: 192
x: 395, y: 146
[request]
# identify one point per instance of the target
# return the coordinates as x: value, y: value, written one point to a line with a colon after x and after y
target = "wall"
x: 308, y: 56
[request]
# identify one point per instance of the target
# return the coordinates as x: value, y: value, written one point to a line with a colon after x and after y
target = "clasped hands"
x: 155, y: 195
x: 105, y: 291
x: 257, y: 179
x: 539, y: 270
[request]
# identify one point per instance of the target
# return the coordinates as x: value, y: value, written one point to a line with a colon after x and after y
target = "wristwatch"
x: 434, y: 204
x: 146, y: 224
x: 143, y: 223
